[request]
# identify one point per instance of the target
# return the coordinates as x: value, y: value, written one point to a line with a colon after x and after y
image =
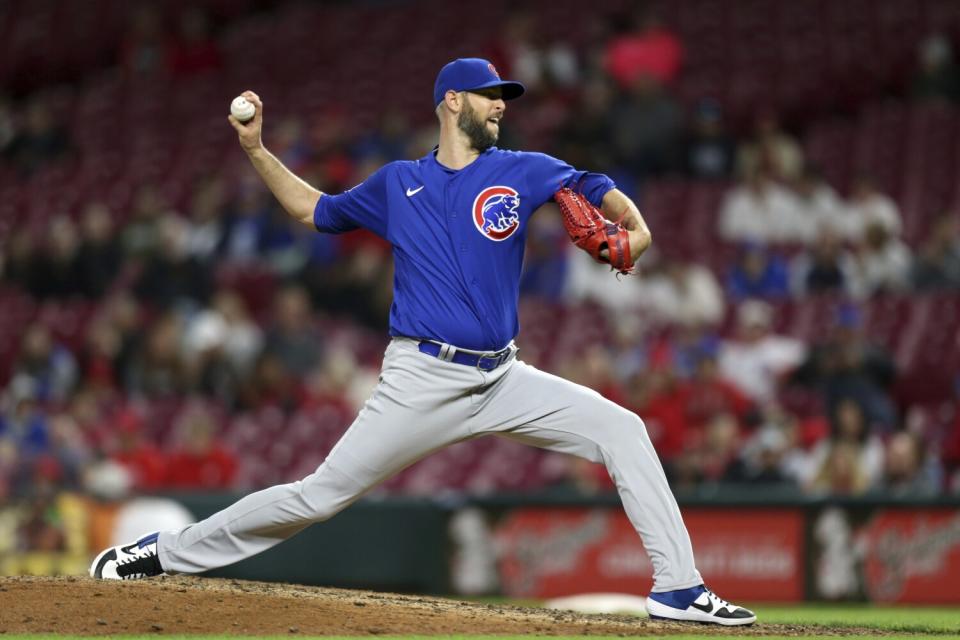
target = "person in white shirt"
x: 756, y: 359
x: 817, y: 205
x: 882, y: 263
x: 867, y: 206
x: 760, y: 210
x: 684, y: 294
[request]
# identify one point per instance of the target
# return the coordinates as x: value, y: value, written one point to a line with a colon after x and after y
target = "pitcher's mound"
x: 191, y: 605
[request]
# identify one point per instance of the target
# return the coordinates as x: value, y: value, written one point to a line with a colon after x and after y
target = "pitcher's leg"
x: 547, y: 411
x: 257, y: 522
x: 417, y: 408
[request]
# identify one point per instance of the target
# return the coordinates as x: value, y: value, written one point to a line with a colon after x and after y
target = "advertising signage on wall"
x: 554, y: 552
x: 882, y: 554
x: 886, y: 555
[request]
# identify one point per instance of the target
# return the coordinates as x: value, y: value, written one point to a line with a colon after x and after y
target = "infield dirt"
x: 192, y: 605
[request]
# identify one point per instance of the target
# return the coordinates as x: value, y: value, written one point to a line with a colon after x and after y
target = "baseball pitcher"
x: 457, y: 220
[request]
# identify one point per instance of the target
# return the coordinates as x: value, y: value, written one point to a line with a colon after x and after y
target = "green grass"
x: 915, y: 619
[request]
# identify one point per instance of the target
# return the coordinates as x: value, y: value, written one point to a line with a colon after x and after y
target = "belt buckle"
x: 498, y: 358
x: 485, y: 356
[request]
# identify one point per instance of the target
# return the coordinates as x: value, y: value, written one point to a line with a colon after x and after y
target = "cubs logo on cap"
x: 496, y: 212
x: 472, y: 74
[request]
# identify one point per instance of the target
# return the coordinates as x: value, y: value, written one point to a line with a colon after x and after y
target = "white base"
x: 600, y: 603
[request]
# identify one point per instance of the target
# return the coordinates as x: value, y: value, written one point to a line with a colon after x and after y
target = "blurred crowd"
x: 220, y: 297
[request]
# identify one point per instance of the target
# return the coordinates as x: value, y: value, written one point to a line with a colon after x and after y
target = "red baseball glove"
x: 593, y: 233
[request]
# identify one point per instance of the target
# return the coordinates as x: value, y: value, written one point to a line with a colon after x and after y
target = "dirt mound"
x: 191, y: 605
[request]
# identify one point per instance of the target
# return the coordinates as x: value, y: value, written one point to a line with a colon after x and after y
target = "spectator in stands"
x: 758, y: 273
x: 49, y: 367
x: 645, y: 125
x: 199, y: 462
x: 208, y: 369
x: 655, y: 394
x: 846, y: 365
x: 98, y: 258
x: 850, y: 461
x: 938, y: 265
x: 99, y: 357
x: 840, y: 473
x: 388, y: 142
x: 709, y: 150
x: 140, y: 236
x: 824, y: 267
x: 583, y: 137
x: 246, y: 218
x: 128, y: 446
x: 221, y: 344
x: 122, y: 313
x: 759, y: 210
x: 756, y: 359
x: 643, y: 46
x: 682, y: 293
x: 40, y: 140
x: 22, y: 424
x: 20, y: 259
x: 763, y: 460
x: 156, y: 369
x: 771, y: 151
x: 270, y: 385
x: 818, y: 206
x: 243, y: 338
x: 938, y: 78
x: 194, y: 51
x: 207, y: 228
x: 56, y: 272
x: 172, y: 277
x: 908, y: 471
x: 882, y: 263
x: 867, y: 206
x: 522, y: 53
x: 291, y: 338
x: 707, y: 394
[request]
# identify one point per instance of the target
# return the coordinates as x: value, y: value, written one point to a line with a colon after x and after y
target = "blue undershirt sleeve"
x: 546, y: 175
x: 363, y: 206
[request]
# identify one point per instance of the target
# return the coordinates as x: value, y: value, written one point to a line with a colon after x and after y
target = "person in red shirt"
x: 200, y: 462
x: 131, y: 449
x: 649, y: 48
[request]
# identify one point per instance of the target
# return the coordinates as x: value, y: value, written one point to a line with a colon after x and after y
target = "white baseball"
x: 242, y: 109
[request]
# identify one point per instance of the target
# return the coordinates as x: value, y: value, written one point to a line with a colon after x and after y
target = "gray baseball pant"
x: 423, y: 404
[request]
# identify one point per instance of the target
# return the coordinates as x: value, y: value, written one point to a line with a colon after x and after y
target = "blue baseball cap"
x: 470, y: 74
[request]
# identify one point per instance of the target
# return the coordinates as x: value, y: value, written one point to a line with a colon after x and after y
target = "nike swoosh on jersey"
x: 413, y: 192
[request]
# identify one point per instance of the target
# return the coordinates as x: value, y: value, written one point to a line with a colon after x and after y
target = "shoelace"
x: 142, y: 566
x: 723, y: 603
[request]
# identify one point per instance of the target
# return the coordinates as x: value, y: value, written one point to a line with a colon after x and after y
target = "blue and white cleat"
x: 698, y: 604
x: 128, y: 562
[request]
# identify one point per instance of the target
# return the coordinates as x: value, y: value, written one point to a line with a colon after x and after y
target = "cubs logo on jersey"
x: 496, y: 212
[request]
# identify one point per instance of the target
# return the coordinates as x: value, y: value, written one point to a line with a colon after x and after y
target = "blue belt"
x: 487, y: 361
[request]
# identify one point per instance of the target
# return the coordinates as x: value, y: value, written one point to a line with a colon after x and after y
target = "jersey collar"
x: 432, y: 158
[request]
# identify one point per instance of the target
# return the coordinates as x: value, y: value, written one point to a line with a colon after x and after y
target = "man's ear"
x: 454, y: 100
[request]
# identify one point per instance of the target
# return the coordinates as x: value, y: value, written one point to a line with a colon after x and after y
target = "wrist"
x: 256, y: 151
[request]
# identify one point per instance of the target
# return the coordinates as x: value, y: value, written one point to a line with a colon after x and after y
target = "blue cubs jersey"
x: 458, y: 237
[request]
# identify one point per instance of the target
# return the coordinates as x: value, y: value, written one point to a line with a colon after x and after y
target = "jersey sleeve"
x: 362, y: 207
x: 546, y: 175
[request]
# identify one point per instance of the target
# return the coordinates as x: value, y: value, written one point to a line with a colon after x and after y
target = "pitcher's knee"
x: 626, y: 428
x: 326, y: 492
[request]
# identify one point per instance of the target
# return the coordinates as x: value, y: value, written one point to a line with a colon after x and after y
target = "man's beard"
x: 480, y: 136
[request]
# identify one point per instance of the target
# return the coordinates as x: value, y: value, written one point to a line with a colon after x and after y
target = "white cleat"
x: 128, y: 562
x: 707, y: 608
